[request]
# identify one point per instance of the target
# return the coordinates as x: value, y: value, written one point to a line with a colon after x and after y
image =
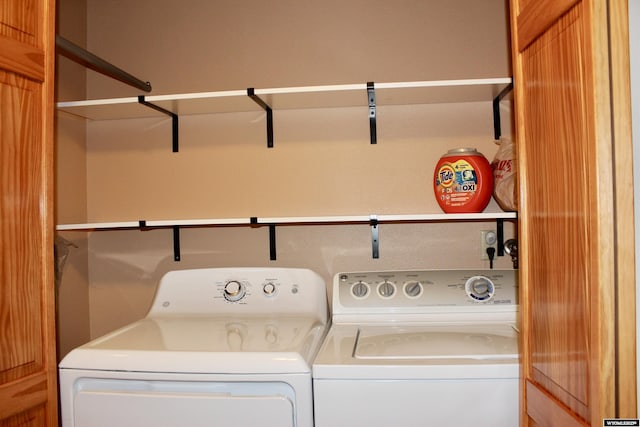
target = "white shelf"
x: 348, y: 219
x: 328, y: 96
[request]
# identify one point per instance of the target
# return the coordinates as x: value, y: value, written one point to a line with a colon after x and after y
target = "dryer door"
x: 139, y: 403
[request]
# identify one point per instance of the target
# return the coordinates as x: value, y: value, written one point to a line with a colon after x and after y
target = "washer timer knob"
x: 269, y: 289
x: 234, y: 291
x: 480, y: 288
x: 360, y: 289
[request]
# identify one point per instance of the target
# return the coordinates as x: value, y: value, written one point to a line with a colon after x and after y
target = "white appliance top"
x: 428, y: 323
x: 241, y: 320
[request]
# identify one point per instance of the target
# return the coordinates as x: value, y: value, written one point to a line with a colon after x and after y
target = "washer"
x: 218, y: 348
x: 420, y: 348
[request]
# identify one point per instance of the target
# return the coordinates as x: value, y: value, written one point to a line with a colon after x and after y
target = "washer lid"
x: 436, y: 342
x: 204, y: 344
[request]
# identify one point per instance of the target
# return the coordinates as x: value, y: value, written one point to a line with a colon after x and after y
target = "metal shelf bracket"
x: 176, y: 243
x: 174, y: 120
x: 371, y: 95
x: 497, y: 128
x: 252, y: 94
x: 500, y: 233
x: 373, y: 222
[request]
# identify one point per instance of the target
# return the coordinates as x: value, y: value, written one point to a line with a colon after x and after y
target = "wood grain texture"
x: 535, y: 17
x: 625, y: 232
x: 28, y: 390
x: 575, y: 232
x: 554, y: 414
x: 19, y: 20
x: 558, y: 209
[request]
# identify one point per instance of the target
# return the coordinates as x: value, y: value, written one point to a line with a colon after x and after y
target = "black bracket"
x: 174, y: 120
x: 497, y: 128
x: 371, y: 95
x: 272, y: 236
x: 500, y: 236
x: 142, y: 224
x: 252, y: 94
x: 373, y: 222
x: 176, y: 243
x: 272, y: 242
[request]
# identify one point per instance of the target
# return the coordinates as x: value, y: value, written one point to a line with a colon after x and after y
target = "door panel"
x: 573, y: 214
x: 27, y: 308
x: 559, y: 212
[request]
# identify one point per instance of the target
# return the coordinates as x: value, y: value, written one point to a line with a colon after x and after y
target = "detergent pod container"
x: 463, y: 181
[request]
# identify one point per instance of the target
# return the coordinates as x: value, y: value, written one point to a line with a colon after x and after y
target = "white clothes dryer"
x: 420, y: 348
x: 228, y: 347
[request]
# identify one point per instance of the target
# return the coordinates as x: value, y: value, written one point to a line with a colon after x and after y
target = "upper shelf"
x: 330, y: 96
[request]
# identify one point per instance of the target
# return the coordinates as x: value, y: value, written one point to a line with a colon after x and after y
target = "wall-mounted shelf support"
x: 373, y: 222
x: 174, y: 120
x: 91, y: 61
x: 371, y: 95
x: 272, y: 242
x: 252, y: 94
x: 497, y: 128
x: 176, y: 243
x: 500, y: 235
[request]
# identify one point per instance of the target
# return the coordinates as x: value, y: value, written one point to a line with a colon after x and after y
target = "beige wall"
x: 71, y: 183
x: 322, y: 163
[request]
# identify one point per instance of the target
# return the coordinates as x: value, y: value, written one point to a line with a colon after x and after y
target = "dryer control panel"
x: 425, y: 291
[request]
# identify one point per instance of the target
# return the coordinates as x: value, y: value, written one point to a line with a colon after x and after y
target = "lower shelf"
x: 373, y: 220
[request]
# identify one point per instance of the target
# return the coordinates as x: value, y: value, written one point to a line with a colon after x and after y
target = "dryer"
x: 420, y: 348
x: 219, y: 347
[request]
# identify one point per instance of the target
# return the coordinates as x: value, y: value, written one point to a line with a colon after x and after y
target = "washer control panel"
x: 425, y: 288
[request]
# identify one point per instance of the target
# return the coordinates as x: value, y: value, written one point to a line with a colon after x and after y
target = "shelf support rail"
x: 174, y: 121
x: 371, y: 95
x: 497, y: 127
x: 89, y: 60
x: 375, y: 241
x: 252, y: 94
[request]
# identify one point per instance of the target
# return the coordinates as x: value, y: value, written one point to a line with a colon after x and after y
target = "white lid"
x: 201, y: 344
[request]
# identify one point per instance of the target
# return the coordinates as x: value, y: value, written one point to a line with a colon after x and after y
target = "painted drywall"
x: 322, y: 162
x: 71, y: 188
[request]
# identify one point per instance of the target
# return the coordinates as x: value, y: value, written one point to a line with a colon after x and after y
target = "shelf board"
x: 348, y: 219
x: 327, y: 96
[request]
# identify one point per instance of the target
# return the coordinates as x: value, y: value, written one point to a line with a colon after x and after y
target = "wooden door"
x: 28, y: 391
x: 576, y: 219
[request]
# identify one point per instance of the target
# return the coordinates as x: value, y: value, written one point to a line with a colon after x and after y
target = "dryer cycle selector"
x: 234, y: 291
x: 480, y: 288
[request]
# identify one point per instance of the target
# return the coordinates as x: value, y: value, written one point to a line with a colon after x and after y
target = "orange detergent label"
x: 456, y: 183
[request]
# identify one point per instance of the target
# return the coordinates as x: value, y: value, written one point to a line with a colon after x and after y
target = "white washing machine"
x: 420, y: 348
x: 218, y: 348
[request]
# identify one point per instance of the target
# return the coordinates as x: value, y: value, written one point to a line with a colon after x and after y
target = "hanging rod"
x: 89, y: 60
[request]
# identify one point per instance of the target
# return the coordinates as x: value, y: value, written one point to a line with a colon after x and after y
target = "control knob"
x: 413, y: 289
x: 480, y: 288
x: 386, y: 289
x: 234, y: 291
x: 360, y: 289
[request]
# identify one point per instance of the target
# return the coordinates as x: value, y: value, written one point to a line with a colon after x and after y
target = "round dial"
x: 269, y: 289
x: 360, y: 289
x: 386, y: 289
x: 234, y: 290
x: 413, y: 289
x: 480, y: 288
